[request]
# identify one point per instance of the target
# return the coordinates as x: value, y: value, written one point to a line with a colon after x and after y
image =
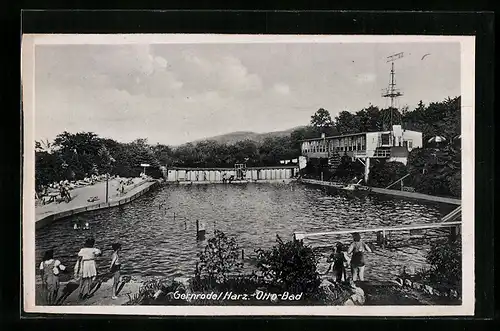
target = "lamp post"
x: 327, y: 153
x: 111, y: 161
x: 107, y: 187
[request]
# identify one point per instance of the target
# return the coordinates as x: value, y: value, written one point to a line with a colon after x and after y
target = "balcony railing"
x: 359, y: 153
x: 382, y: 153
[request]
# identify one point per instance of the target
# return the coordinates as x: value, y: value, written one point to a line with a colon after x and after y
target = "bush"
x: 455, y: 184
x: 157, y: 291
x: 385, y: 173
x: 290, y: 266
x: 348, y: 169
x: 219, y: 258
x: 436, y: 171
x: 445, y: 259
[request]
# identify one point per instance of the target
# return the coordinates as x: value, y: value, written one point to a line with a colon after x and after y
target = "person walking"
x: 50, y: 270
x: 86, y: 267
x: 358, y: 249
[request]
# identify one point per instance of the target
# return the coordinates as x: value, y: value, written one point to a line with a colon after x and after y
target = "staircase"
x: 334, y: 161
x: 455, y: 214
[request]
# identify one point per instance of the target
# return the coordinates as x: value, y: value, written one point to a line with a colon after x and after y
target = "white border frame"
x: 30, y: 41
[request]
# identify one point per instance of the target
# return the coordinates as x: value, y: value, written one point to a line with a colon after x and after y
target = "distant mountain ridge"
x: 234, y: 137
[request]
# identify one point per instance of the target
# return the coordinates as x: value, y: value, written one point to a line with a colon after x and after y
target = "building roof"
x: 338, y: 136
x: 353, y: 134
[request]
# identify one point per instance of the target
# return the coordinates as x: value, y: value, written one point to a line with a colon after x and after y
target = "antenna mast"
x: 392, y: 92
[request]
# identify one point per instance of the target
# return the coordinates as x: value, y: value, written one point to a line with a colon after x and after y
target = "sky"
x: 175, y: 93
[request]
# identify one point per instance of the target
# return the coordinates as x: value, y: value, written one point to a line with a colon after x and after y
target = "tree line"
x: 74, y: 156
x: 79, y: 155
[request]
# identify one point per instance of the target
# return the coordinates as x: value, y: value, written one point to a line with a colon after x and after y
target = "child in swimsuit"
x: 115, y: 268
x: 338, y: 259
x: 358, y: 249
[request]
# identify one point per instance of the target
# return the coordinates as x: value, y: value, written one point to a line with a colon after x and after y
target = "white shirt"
x: 57, y: 265
x: 89, y: 253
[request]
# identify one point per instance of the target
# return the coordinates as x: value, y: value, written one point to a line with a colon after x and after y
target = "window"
x: 410, y: 144
x: 385, y: 139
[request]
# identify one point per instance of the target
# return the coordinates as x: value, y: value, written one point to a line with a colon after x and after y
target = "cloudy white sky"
x: 174, y: 93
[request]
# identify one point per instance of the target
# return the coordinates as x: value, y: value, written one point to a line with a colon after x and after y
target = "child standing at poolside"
x: 85, y: 268
x: 115, y: 268
x: 358, y: 248
x: 338, y: 260
x: 49, y: 269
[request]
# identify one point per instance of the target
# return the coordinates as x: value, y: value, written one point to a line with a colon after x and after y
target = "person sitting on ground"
x: 92, y: 199
x: 50, y: 270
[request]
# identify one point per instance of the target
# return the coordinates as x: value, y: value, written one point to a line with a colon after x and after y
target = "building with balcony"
x: 393, y: 145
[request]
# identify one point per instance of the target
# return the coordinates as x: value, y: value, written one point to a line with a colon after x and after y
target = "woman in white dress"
x: 86, y: 267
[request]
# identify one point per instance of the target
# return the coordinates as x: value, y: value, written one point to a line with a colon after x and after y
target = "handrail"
x: 398, y: 180
x: 299, y: 235
x: 452, y: 215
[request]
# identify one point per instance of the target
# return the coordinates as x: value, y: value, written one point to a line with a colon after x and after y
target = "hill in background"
x: 233, y: 137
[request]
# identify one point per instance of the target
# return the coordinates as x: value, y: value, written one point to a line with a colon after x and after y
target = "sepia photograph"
x: 176, y: 174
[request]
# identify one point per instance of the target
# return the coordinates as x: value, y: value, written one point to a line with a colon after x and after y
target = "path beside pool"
x: 101, y: 297
x: 45, y: 214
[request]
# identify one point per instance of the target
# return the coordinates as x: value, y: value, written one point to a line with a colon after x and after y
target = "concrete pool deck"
x: 404, y: 194
x: 101, y: 296
x: 45, y: 214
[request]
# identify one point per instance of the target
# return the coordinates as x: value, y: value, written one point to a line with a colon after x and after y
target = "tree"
x: 346, y: 122
x: 246, y: 150
x: 186, y: 155
x: 105, y: 160
x: 164, y: 154
x: 79, y: 151
x: 274, y: 149
x: 48, y: 169
x: 219, y: 258
x: 370, y: 119
x: 44, y: 146
x: 321, y: 119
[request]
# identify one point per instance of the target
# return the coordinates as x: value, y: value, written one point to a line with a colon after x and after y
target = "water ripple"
x: 157, y: 244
